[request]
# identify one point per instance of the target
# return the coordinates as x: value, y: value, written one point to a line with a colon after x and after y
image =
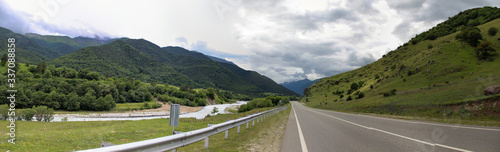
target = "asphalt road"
x: 329, y: 131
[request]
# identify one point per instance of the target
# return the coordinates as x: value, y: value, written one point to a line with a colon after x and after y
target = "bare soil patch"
x: 166, y: 107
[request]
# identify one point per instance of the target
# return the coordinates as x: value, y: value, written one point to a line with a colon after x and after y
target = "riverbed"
x: 145, y: 115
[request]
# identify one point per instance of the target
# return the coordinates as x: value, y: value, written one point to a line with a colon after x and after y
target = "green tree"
x: 41, y: 67
x: 109, y: 101
x: 211, y: 93
x: 82, y: 74
x: 88, y: 100
x: 73, y: 102
x: 484, y: 50
x: 47, y: 74
x: 492, y: 31
x: 4, y: 59
x: 361, y: 95
x: 470, y: 35
x: 52, y: 100
x: 354, y: 86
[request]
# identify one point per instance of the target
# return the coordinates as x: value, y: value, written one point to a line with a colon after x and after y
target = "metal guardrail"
x: 173, y: 142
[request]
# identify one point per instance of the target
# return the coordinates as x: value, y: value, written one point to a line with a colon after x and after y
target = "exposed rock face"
x: 492, y: 90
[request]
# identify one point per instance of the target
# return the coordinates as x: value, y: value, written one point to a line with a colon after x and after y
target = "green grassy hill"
x: 252, y: 78
x: 145, y: 61
x: 26, y: 48
x: 438, y: 78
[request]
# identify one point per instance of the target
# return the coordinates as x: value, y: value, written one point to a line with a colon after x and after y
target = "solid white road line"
x: 301, y: 136
x: 414, y: 122
x: 390, y: 133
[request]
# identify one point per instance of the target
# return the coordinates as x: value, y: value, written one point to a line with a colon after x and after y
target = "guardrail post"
x: 258, y: 119
x: 227, y: 133
x: 247, y: 124
x: 206, y: 142
x: 253, y: 122
x: 238, y: 130
x: 174, y: 150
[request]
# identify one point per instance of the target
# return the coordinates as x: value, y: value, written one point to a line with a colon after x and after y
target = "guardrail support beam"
x: 206, y: 142
x: 227, y: 133
x: 171, y: 143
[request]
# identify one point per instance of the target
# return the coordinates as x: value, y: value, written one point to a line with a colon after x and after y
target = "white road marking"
x: 390, y: 133
x: 414, y: 122
x: 301, y: 136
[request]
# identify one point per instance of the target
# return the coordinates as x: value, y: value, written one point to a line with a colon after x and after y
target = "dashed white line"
x: 414, y: 122
x: 386, y: 132
x: 301, y: 136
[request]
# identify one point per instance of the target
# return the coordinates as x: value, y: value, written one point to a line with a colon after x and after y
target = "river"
x: 198, y: 115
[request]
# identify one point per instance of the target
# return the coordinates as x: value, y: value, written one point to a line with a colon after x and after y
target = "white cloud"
x: 282, y: 39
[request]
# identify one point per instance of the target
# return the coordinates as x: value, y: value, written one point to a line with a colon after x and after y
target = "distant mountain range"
x: 141, y: 60
x: 299, y: 86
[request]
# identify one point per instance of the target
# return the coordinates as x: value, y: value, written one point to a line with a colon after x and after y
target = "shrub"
x: 354, y: 86
x: 361, y: 84
x: 410, y: 73
x: 429, y: 46
x: 145, y: 105
x: 4, y: 110
x: 257, y: 103
x: 28, y: 114
x: 492, y: 31
x: 387, y: 94
x: 215, y: 110
x: 361, y: 95
x: 349, y: 98
x: 484, y: 50
x: 43, y: 113
x: 393, y: 92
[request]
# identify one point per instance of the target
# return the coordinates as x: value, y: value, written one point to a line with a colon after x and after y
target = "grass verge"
x: 71, y: 136
x: 264, y: 136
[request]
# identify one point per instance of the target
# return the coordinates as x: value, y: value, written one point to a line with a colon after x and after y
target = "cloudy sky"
x: 285, y: 40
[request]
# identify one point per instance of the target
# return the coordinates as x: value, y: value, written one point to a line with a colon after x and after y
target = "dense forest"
x: 468, y: 18
x: 145, y: 61
x: 68, y: 89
